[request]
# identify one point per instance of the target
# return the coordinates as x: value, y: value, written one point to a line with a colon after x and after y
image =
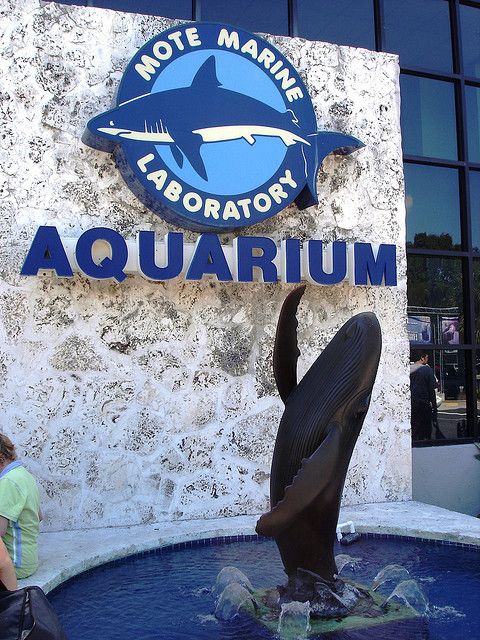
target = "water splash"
x: 445, y: 613
x: 409, y: 593
x: 206, y: 619
x: 294, y: 621
x: 344, y: 561
x: 231, y: 575
x: 234, y: 598
x: 392, y: 573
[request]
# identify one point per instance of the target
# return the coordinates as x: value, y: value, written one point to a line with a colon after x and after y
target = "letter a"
x: 47, y: 252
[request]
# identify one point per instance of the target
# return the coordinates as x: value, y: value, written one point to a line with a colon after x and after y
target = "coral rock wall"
x: 142, y: 401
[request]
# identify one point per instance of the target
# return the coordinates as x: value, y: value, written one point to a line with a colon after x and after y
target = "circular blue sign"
x: 213, y: 129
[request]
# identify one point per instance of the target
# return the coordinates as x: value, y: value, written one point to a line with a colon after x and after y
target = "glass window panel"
x: 477, y: 390
x: 269, y: 16
x: 428, y: 117
x: 476, y: 295
x: 433, y: 207
x: 475, y: 208
x: 348, y: 22
x: 470, y: 26
x: 472, y: 97
x: 438, y: 396
x: 446, y: 388
x: 452, y: 410
x: 418, y: 30
x: 165, y: 8
x: 434, y: 289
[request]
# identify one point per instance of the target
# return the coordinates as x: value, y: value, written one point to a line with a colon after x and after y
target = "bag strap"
x: 24, y: 613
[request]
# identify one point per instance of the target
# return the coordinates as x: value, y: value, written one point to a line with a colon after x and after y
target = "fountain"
x: 323, y: 416
x: 325, y: 594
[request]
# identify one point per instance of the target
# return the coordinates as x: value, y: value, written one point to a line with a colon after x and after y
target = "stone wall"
x: 143, y: 401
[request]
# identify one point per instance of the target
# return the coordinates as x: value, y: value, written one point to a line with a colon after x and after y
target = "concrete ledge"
x: 64, y: 554
x: 414, y: 519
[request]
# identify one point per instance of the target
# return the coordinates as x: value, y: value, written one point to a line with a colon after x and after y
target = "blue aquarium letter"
x: 46, y: 252
x: 173, y: 256
x: 315, y: 262
x: 246, y: 261
x: 208, y: 258
x: 108, y: 267
x: 292, y: 264
x: 367, y: 267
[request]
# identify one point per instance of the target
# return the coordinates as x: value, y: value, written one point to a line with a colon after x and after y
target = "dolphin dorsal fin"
x: 206, y: 76
x: 285, y: 351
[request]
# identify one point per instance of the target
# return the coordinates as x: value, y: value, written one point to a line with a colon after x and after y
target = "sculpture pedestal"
x: 370, y: 612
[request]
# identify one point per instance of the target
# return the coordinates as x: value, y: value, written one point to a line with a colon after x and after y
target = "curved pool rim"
x: 232, y: 539
x: 67, y: 554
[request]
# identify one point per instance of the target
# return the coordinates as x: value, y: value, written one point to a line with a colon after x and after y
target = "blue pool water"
x: 164, y: 595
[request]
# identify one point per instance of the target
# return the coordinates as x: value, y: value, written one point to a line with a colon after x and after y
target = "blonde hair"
x: 7, y: 448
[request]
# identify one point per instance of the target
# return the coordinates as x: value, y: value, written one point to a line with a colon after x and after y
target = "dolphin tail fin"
x: 323, y: 143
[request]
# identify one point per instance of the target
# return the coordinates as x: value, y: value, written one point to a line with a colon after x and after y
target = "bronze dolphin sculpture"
x: 323, y: 416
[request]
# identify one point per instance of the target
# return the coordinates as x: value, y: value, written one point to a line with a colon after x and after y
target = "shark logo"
x: 213, y: 129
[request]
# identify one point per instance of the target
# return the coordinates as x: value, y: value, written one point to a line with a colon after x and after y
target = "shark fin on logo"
x: 206, y: 77
x: 177, y: 154
x: 324, y: 143
x: 189, y: 144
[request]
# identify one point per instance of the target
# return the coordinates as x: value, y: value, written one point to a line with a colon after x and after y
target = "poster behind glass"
x: 419, y: 329
x: 450, y: 332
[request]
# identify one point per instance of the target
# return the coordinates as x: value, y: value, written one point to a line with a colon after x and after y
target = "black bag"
x: 26, y: 614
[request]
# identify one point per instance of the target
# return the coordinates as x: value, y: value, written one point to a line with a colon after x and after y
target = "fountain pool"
x: 166, y: 594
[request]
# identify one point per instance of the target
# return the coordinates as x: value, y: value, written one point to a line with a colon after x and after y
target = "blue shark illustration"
x: 205, y: 112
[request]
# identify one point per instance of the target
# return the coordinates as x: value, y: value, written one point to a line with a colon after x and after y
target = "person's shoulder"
x: 19, y: 475
x: 428, y: 371
x: 11, y: 484
x: 25, y: 474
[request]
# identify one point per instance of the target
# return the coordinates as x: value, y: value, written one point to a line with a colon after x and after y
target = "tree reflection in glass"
x: 435, y: 288
x: 432, y: 201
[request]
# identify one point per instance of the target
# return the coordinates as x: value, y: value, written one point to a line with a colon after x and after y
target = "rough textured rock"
x: 143, y: 401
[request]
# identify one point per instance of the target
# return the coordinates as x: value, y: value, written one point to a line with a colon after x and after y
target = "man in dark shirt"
x: 422, y: 389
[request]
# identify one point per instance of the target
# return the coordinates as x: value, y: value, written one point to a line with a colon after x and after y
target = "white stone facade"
x: 141, y: 402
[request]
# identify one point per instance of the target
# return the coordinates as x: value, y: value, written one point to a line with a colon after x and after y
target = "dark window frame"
x: 470, y: 347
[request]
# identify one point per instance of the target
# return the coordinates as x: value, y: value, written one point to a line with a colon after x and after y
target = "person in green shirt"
x: 19, y: 511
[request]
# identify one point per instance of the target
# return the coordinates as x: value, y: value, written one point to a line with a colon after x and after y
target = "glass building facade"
x: 438, y: 42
